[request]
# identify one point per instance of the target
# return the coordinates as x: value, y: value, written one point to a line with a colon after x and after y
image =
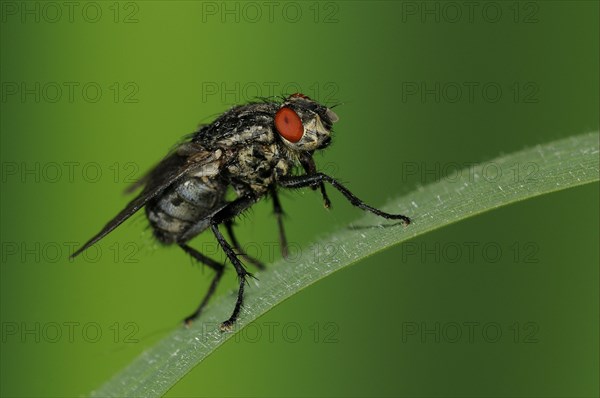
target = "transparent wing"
x: 188, y: 158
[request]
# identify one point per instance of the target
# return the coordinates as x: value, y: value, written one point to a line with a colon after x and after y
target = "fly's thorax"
x: 255, y: 167
x: 241, y: 125
x: 262, y: 142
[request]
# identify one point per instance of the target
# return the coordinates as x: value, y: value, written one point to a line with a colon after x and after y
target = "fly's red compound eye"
x: 289, y: 125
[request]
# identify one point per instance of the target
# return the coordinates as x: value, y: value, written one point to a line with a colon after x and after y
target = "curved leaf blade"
x: 519, y: 176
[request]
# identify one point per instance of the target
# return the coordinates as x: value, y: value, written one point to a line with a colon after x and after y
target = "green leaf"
x: 535, y: 171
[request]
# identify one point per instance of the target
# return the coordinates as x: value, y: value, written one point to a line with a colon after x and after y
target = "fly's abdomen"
x: 182, y: 206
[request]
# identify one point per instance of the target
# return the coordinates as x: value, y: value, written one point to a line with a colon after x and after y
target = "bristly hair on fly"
x: 252, y: 151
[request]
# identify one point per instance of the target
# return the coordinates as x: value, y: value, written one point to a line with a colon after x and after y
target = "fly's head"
x: 304, y: 125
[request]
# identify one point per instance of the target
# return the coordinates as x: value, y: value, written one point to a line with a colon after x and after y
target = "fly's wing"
x: 188, y: 157
x: 183, y: 148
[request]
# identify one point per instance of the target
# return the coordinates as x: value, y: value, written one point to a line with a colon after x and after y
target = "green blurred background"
x: 95, y: 93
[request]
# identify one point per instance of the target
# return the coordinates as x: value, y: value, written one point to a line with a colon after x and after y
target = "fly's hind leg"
x: 216, y: 266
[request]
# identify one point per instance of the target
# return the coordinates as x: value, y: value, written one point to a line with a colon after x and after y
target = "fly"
x: 254, y: 149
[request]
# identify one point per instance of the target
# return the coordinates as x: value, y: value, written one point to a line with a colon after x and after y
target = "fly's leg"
x: 216, y: 266
x: 279, y: 215
x: 326, y: 201
x: 241, y: 273
x: 257, y: 263
x: 228, y: 212
x: 319, y: 178
x: 311, y: 169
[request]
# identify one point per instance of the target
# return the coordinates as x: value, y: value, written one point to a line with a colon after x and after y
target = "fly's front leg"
x: 279, y: 215
x: 311, y: 169
x: 319, y: 178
